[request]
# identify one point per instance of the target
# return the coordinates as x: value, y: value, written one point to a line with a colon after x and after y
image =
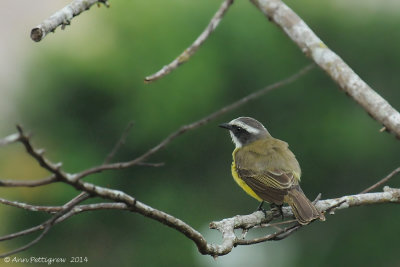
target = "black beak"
x: 225, y: 126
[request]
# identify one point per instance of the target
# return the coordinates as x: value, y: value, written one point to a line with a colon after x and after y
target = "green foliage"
x: 89, y: 85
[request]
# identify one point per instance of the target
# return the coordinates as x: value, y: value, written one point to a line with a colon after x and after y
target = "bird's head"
x: 245, y: 130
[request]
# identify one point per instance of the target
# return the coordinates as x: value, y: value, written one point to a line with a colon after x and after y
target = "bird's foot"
x: 260, y: 208
x: 277, y: 207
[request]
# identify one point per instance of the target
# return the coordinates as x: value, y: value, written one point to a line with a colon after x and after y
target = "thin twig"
x: 44, y: 226
x: 330, y: 209
x: 38, y: 155
x: 115, y: 149
x: 264, y: 225
x: 275, y: 236
x: 9, y: 139
x: 151, y: 164
x: 185, y: 56
x: 25, y: 247
x: 29, y: 183
x: 50, y: 209
x: 75, y: 210
x: 382, y: 181
x: 120, y: 142
x: 288, y: 232
x: 21, y: 233
x: 93, y: 207
x: 61, y: 211
x: 317, y: 198
x: 196, y: 124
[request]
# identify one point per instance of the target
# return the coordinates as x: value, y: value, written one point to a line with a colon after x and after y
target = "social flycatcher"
x: 266, y: 169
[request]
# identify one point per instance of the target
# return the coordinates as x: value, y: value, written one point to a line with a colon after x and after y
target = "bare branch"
x: 62, y: 17
x: 381, y: 182
x: 336, y: 68
x: 196, y: 124
x: 75, y: 210
x: 44, y: 226
x: 30, y: 244
x: 50, y: 209
x: 286, y: 232
x: 29, y: 183
x: 389, y: 195
x: 9, y: 139
x: 141, y: 208
x: 21, y: 233
x: 120, y: 142
x: 94, y: 207
x: 227, y: 226
x: 117, y: 146
x: 93, y: 190
x: 279, y: 235
x: 151, y: 164
x: 331, y: 209
x: 185, y: 56
x: 38, y: 155
x: 275, y: 224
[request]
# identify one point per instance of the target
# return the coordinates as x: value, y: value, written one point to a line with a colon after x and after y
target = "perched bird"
x: 267, y: 170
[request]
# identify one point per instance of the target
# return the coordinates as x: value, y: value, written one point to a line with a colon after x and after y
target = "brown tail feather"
x: 302, y: 208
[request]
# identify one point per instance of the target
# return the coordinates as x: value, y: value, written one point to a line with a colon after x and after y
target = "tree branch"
x: 9, y: 139
x: 49, y: 209
x: 120, y: 142
x: 37, y: 154
x: 337, y: 69
x: 279, y: 235
x: 12, y: 183
x: 185, y: 56
x: 45, y: 227
x: 75, y: 210
x: 382, y: 181
x: 226, y: 226
x: 63, y: 17
x: 30, y: 244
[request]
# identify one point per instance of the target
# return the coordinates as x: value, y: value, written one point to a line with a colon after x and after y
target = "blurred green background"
x: 83, y: 85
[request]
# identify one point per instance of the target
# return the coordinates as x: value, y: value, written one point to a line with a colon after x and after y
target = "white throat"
x: 235, y: 140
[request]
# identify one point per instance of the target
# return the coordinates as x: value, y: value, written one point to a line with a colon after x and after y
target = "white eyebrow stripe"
x: 246, y: 127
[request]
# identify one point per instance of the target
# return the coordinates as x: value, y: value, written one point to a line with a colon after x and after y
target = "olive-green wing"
x: 269, y: 168
x: 269, y: 186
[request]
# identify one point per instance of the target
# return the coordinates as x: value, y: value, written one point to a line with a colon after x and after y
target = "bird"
x: 266, y: 169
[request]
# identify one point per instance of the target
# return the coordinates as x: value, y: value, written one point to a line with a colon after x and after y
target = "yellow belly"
x: 240, y: 182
